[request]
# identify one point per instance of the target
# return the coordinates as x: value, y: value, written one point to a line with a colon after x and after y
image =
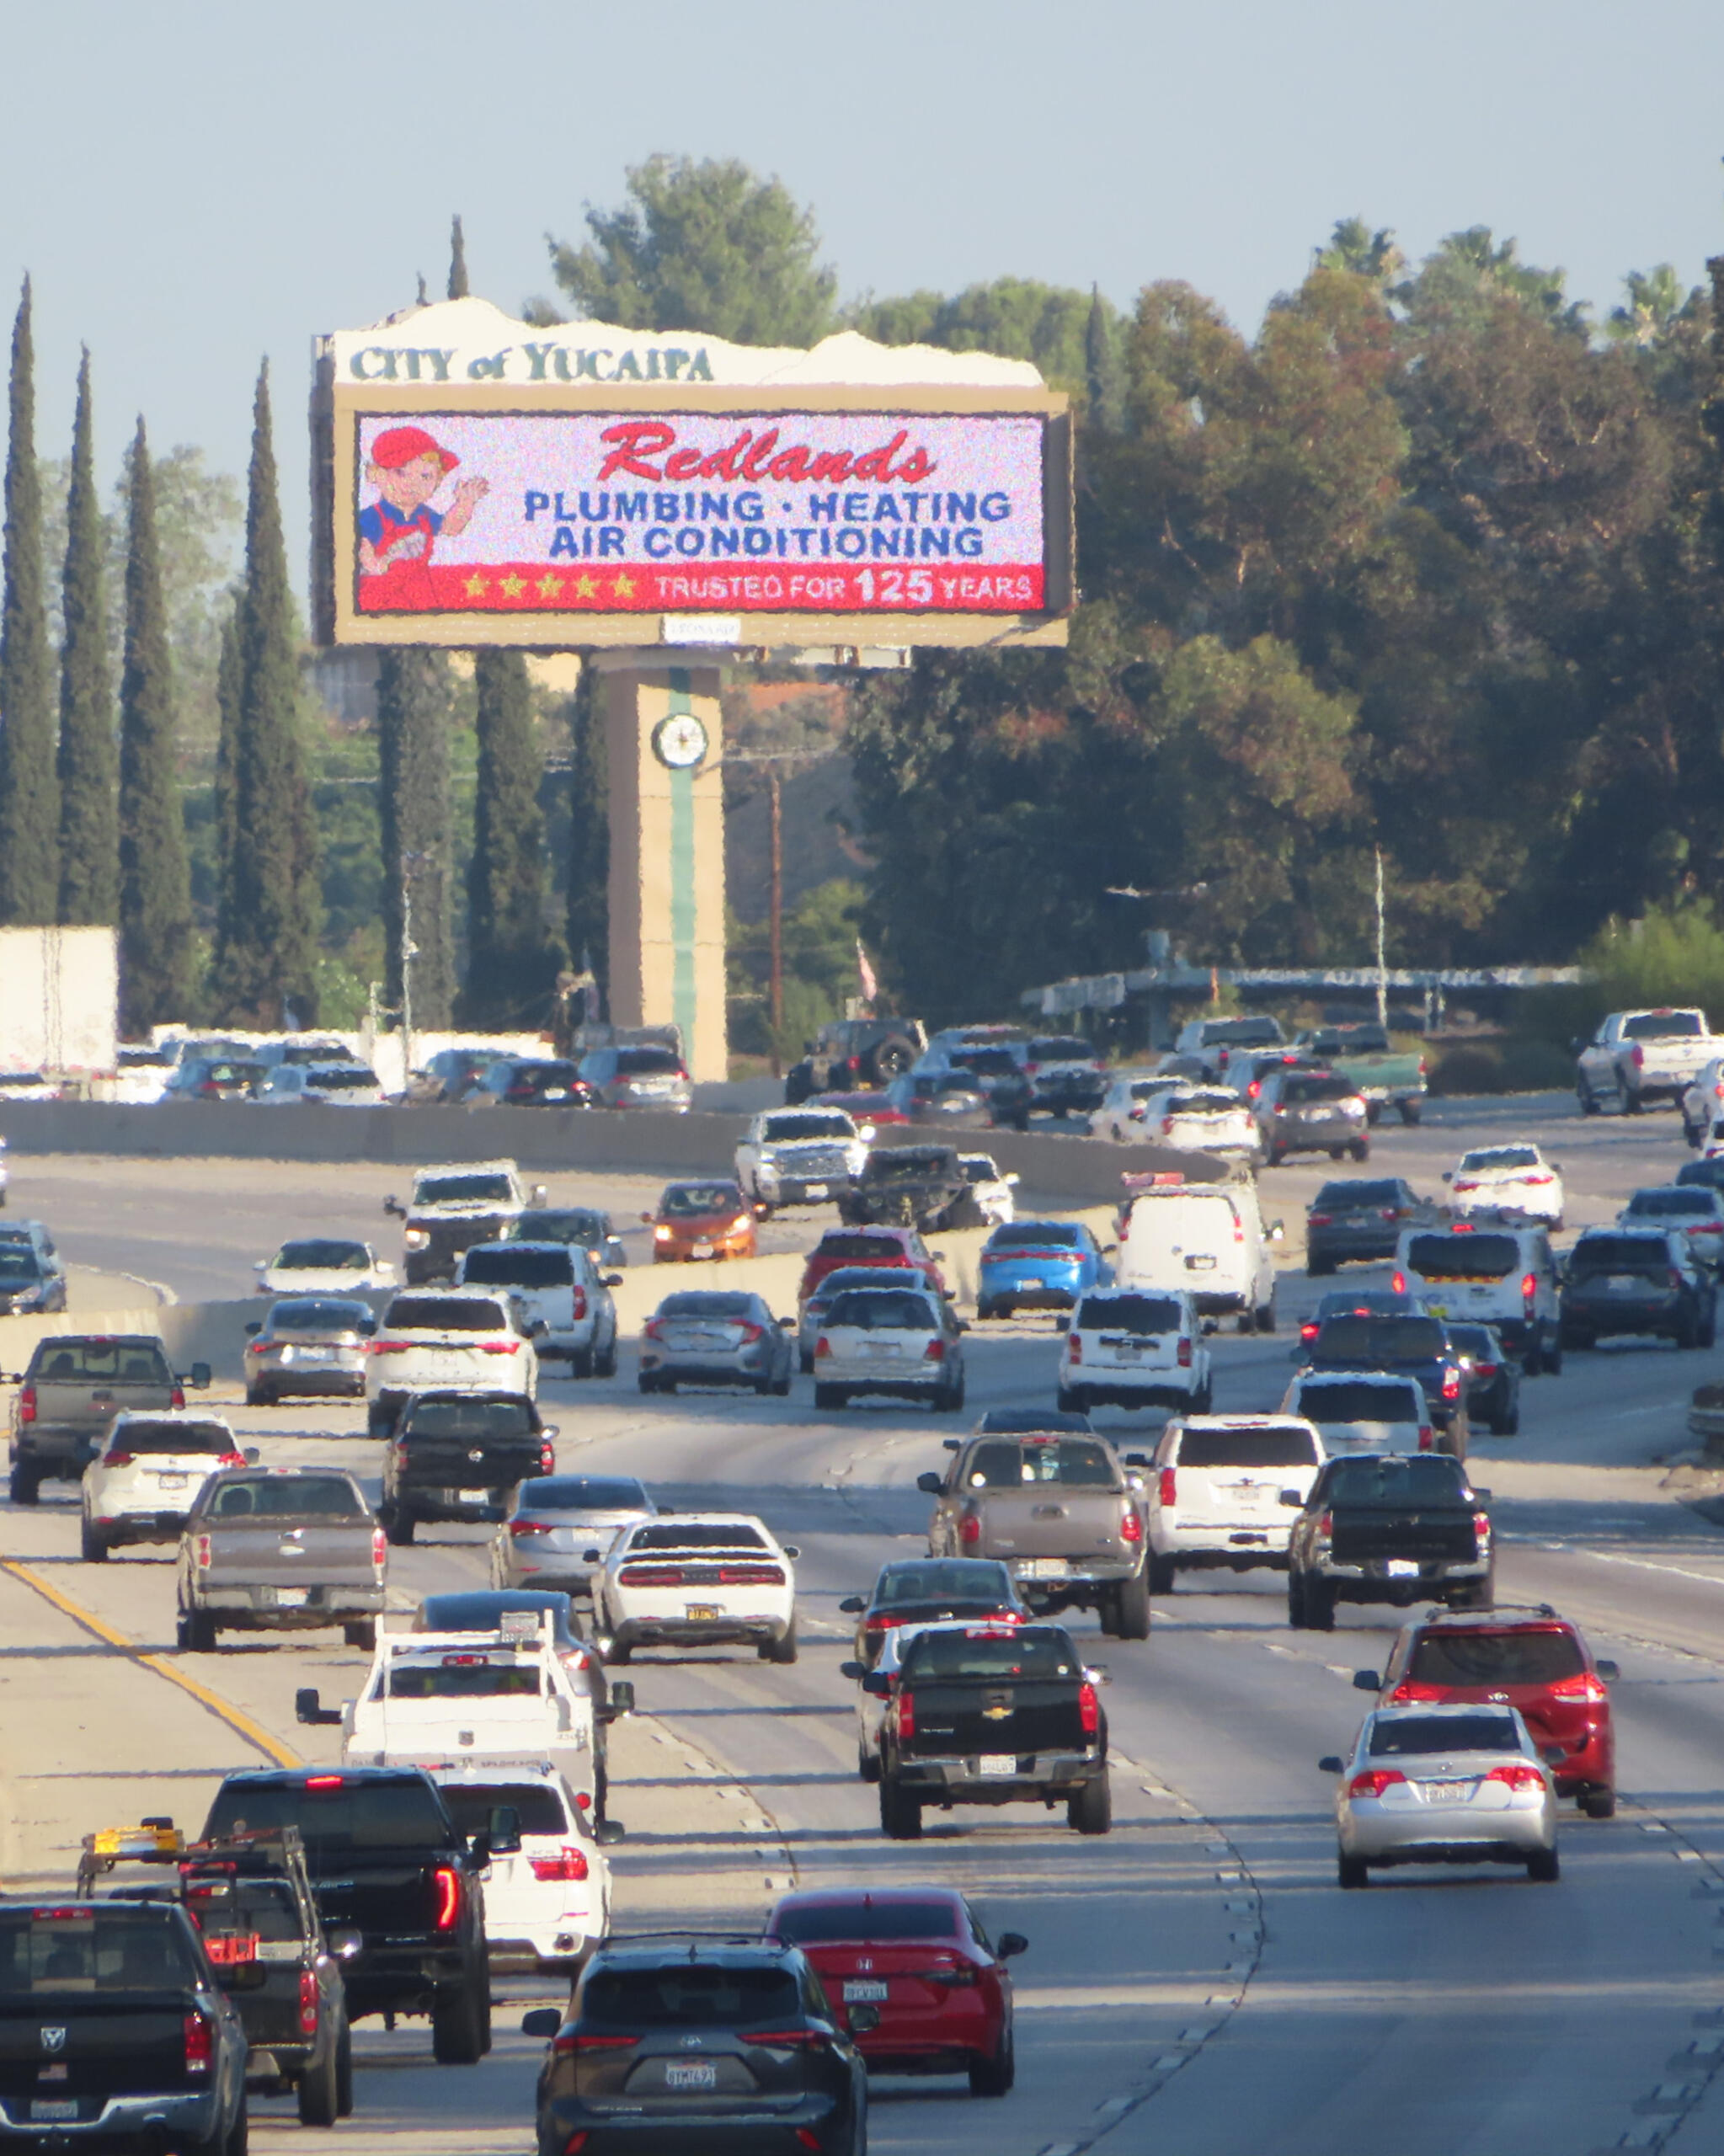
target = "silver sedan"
x: 1444, y: 1784
x: 308, y: 1346
x: 715, y: 1335
x: 555, y: 1520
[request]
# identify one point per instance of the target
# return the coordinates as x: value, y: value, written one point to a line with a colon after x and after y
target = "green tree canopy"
x: 88, y: 754
x: 30, y: 787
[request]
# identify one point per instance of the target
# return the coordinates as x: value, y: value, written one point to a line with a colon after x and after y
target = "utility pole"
x: 777, y: 910
x: 1382, y: 968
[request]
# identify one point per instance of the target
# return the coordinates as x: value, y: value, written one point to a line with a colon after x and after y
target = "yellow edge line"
x: 253, y: 1732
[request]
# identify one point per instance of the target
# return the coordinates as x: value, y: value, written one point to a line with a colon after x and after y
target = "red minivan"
x: 1529, y: 1659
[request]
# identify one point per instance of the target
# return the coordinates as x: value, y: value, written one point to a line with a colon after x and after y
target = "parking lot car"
x: 920, y: 1958
x: 1361, y: 1219
x: 453, y: 1207
x: 323, y: 1265
x: 799, y: 1156
x: 644, y: 1075
x: 1126, y: 1347
x: 1514, y: 1178
x: 1064, y: 1073
x: 1639, y: 1281
x: 907, y: 1186
x: 547, y: 1900
x: 1492, y: 1378
x: 1412, y: 1346
x: 701, y: 1221
x: 143, y: 1483
x: 684, y: 2036
x: 319, y: 1085
x: 385, y: 1860
x: 855, y: 1053
x: 702, y: 1579
x: 446, y: 1339
x: 1215, y: 1498
x: 519, y: 1081
x: 719, y: 1336
x: 1039, y: 1265
x: 1363, y: 1411
x: 555, y: 1285
x: 1532, y: 1659
x: 1385, y: 1527
x: 555, y: 1519
x: 1207, y: 1241
x: 1681, y: 1210
x: 1502, y: 1273
x: 73, y: 1386
x: 1444, y: 1786
x: 869, y: 1246
x: 903, y: 1342
x: 945, y: 1740
x: 28, y: 1285
x: 280, y: 1550
x: 1311, y: 1112
x: 309, y: 1346
x: 460, y: 1456
x: 924, y: 1590
x: 584, y: 1226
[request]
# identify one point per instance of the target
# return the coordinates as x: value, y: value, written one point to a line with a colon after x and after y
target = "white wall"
x: 59, y: 999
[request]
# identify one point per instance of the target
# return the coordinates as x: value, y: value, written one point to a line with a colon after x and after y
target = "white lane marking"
x: 1639, y: 1564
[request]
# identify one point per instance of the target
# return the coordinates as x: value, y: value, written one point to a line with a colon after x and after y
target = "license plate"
x: 856, y: 1989
x: 691, y: 2073
x: 700, y: 1613
x: 555, y: 1093
x: 471, y: 1496
x: 819, y: 1190
x: 171, y: 1482
x: 703, y: 1250
x: 997, y: 1763
x: 881, y: 1346
x: 1201, y: 1261
x: 292, y: 1598
x: 61, y: 2107
x: 1624, y: 1283
x: 317, y: 1354
x: 1042, y: 1568
x: 1029, y: 1282
x: 1400, y: 1568
x: 1129, y: 1354
x: 707, y: 1340
x: 1447, y: 1792
x: 1437, y: 1310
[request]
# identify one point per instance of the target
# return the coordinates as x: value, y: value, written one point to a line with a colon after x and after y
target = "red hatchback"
x: 869, y: 1247
x: 936, y: 1992
x: 1529, y: 1659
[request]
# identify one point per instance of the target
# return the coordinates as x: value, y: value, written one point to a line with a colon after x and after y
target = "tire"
x: 781, y: 1387
x: 890, y: 1059
x: 605, y: 1365
x: 1319, y: 1606
x: 868, y: 1765
x: 1632, y: 1103
x: 380, y: 1421
x: 1598, y: 1803
x: 1107, y: 1613
x: 1352, y: 1871
x: 1360, y: 1149
x: 344, y: 2073
x: 458, y: 2029
x: 1072, y: 1403
x: 1318, y: 1268
x: 900, y: 1815
x: 26, y: 1488
x: 92, y: 1546
x: 1266, y: 1315
x: 239, y: 2134
x: 1506, y: 1426
x: 830, y: 1396
x: 1374, y: 1112
x: 1412, y: 1112
x: 1163, y: 1574
x: 361, y: 1633
x: 764, y: 1388
x: 798, y: 1084
x: 1589, y: 1104
x: 1296, y: 1601
x: 617, y: 1654
x: 1274, y: 1155
x: 1482, y: 1594
x: 1091, y: 1810
x: 984, y: 1310
x: 319, y: 2093
x: 1131, y: 1608
x: 1544, y: 1867
x: 581, y: 1366
x: 197, y: 1632
x: 993, y: 2077
x: 255, y: 1396
x: 1337, y: 1152
x: 399, y: 1526
x: 805, y: 1362
x: 782, y: 1649
x: 1553, y: 1354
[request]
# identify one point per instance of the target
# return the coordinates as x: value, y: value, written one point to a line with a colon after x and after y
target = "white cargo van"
x: 1206, y: 1240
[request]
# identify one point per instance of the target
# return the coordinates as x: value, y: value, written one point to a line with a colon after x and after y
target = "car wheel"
x: 399, y: 1526
x: 197, y: 1631
x: 1163, y: 1574
x: 1319, y: 1268
x: 1598, y: 1803
x: 361, y: 1633
x: 457, y: 2028
x: 781, y: 1386
x: 1091, y: 1810
x: 1588, y: 1101
x: 891, y: 1058
x: 92, y: 1544
x: 868, y: 1765
x: 319, y: 2093
x: 1360, y: 1149
x: 1295, y: 1601
x: 1274, y: 1155
x: 1337, y: 1152
x: 900, y: 1813
x: 255, y: 1396
x: 1544, y: 1866
x: 1131, y: 1608
x: 1553, y: 1354
x: 25, y: 1487
x: 829, y: 1396
x: 1352, y: 1871
x: 344, y: 2073
x: 581, y: 1365
x: 1507, y: 1425
x: 1073, y: 1400
x: 782, y: 1649
x: 1708, y: 1330
x: 380, y: 1420
x: 1266, y: 1315
x: 763, y: 1387
x: 993, y: 2077
x: 1319, y: 1606
x: 1412, y: 1112
x: 604, y: 1363
x: 804, y: 1361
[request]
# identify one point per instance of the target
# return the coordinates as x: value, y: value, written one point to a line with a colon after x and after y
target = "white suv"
x: 548, y: 1902
x: 142, y: 1486
x: 1217, y: 1499
x: 448, y: 1338
x: 1136, y: 1348
x: 558, y: 1285
x: 1481, y: 1272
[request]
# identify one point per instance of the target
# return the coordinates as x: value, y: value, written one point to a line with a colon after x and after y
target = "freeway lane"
x: 1454, y: 2013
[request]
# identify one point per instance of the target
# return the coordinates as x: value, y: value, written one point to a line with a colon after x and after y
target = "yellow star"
x: 511, y: 586
x: 586, y: 589
x: 476, y: 587
x: 549, y: 585
x: 624, y: 586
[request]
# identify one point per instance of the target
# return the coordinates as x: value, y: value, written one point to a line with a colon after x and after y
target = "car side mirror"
x: 1367, y: 1680
x: 1138, y: 1460
x: 791, y: 1550
x: 550, y: 1430
x: 345, y: 1945
x: 1010, y: 1943
x: 962, y: 1324
x: 254, y: 1328
x: 1290, y: 1497
x: 1062, y: 1323
x: 250, y: 1455
x: 1557, y: 1165
x: 1210, y: 1327
x: 950, y: 1444
x: 863, y: 2020
x: 938, y: 1257
x: 854, y: 1670
x: 199, y: 1377
x: 876, y: 1684
x: 392, y: 1206
x: 647, y: 1219
x: 260, y: 1264
x: 1329, y: 1765
x: 537, y: 1329
x: 308, y: 1708
x: 1609, y: 1672
x: 543, y: 2021
x: 1483, y: 1495
x: 609, y: 1831
x: 931, y: 1484
x: 1447, y: 1175
x: 852, y: 1606
x: 786, y: 1325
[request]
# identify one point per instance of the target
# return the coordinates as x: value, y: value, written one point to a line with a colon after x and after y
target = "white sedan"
x: 699, y: 1579
x: 323, y: 1265
x: 320, y: 1084
x: 1514, y: 1178
x: 1124, y: 1106
x: 451, y: 1338
x: 549, y: 1901
x: 1202, y: 1119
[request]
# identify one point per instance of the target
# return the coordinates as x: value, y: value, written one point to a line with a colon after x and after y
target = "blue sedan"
x: 1039, y: 1265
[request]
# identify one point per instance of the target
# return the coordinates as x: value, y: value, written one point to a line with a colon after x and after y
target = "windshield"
x: 1355, y: 1197
x: 463, y: 1190
x: 337, y: 1813
x: 1665, y: 1026
x: 1286, y: 1447
x: 1620, y: 1254
x: 469, y: 1418
x: 882, y: 1310
x: 117, y: 1362
x: 1673, y: 1204
x: 105, y: 1948
x: 1463, y: 1257
x: 1489, y: 1658
x: 507, y: 1265
x: 1422, y: 1736
x: 309, y: 1316
x: 322, y: 1254
x: 1490, y: 1158
x: 144, y: 1433
x: 582, y: 1493
x: 465, y: 1676
x: 1138, y: 1314
x: 539, y: 1807
x: 866, y: 1917
x: 738, y: 1309
x: 1371, y: 1340
x: 788, y: 1129
x: 1352, y: 1400
x: 682, y: 1992
x: 1005, y: 1465
x: 962, y: 1579
x: 589, y: 1229
x: 688, y: 1201
x: 1060, y: 1048
x: 1426, y: 1479
x: 878, y: 1247
x: 289, y: 1496
x: 443, y: 1314
x: 636, y: 1062
x: 1202, y: 1104
x: 1028, y: 1654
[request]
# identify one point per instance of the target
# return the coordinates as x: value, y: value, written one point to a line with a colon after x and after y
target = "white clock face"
x: 680, y: 741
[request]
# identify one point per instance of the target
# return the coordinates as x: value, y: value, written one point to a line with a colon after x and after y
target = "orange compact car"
x: 702, y: 1219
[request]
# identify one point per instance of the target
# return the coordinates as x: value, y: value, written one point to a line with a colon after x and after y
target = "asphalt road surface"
x: 1195, y: 1981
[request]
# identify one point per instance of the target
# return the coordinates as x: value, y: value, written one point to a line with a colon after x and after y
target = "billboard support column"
x: 663, y: 732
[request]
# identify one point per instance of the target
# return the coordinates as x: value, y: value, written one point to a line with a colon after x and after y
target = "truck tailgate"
x: 471, y: 1463
x: 280, y: 1554
x: 132, y: 2044
x: 1427, y: 1537
x: 973, y: 1720
x: 1050, y: 1521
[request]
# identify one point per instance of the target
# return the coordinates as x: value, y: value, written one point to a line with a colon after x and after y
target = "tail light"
x: 653, y: 1331
x: 1520, y: 1774
x: 1538, y: 1179
x: 935, y: 1352
x: 881, y: 1623
x: 1397, y: 1281
x: 548, y: 1458
x: 1390, y: 1213
x: 750, y: 1576
x: 392, y: 1347
x: 573, y: 2042
x: 1529, y: 1288
x: 380, y: 1549
x: 201, y: 1553
x: 1255, y: 1087
x: 1170, y: 1486
x: 969, y: 1529
x: 569, y: 1864
x: 1405, y: 1693
x: 229, y: 1459
x: 650, y: 1576
x: 1588, y: 1689
x: 1074, y: 1348
x: 200, y: 2039
x: 1185, y: 1354
x: 580, y: 1302
x: 445, y: 1885
x: 1375, y: 1781
x: 119, y: 1459
x: 1325, y: 1525
x: 749, y: 1333
x: 949, y: 1970
x: 823, y: 1346
x: 402, y: 1457
x: 788, y: 2040
x: 1481, y: 1531
x: 1131, y: 1528
x: 1135, y: 1115
x: 1675, y: 1279
x: 1089, y: 1710
x: 1308, y: 1331
x: 1451, y: 1383
x: 517, y: 1528
x: 1484, y: 1369
x: 500, y: 1347
x: 1465, y: 1182
x: 1167, y: 1126
x: 1320, y: 1219
x: 176, y: 1397
x: 309, y: 2002
x: 1637, y: 1056
x: 906, y: 1716
x: 1426, y: 1436
x: 27, y: 1405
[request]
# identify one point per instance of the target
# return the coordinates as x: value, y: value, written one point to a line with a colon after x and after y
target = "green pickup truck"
x: 1364, y: 1054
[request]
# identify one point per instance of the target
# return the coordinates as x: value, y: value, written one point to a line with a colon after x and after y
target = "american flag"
x: 870, y: 985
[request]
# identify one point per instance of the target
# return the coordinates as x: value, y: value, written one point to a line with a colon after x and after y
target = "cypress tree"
x: 414, y: 717
x: 155, y: 882
x: 226, y: 757
x: 1101, y: 369
x: 590, y: 832
x: 88, y: 759
x: 30, y: 792
x: 458, y: 287
x: 512, y: 961
x: 270, y: 935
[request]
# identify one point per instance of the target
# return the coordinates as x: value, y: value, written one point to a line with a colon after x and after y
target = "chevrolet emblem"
x: 994, y: 1714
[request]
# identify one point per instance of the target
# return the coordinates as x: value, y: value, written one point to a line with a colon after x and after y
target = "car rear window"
x: 952, y: 1579
x: 223, y: 1906
x: 336, y: 1813
x: 1300, y: 1090
x: 718, y: 1534
x: 1708, y: 1175
x: 882, y: 1310
x: 1034, y: 1234
x: 310, y: 1315
x: 1030, y: 1654
x: 1474, y: 1340
x: 1060, y: 1048
x: 509, y: 1265
x: 117, y: 1362
x: 1368, y: 1340
x: 1488, y: 1158
x: 572, y: 1227
x: 1241, y: 1032
x: 985, y: 1062
x: 792, y: 1130
x: 1665, y: 1026
x: 1420, y: 1735
x: 581, y: 1493
x: 1355, y: 1197
x: 1463, y: 1257
x: 541, y: 1809
x: 1247, y: 1448
x: 1353, y: 1400
x: 323, y: 1254
x: 97, y: 1948
x: 694, y: 1304
x: 856, y: 1246
x: 1079, y: 1463
x: 287, y: 1497
x: 18, y: 1262
x: 642, y: 1062
x: 815, y: 1924
x: 1426, y: 1479
x: 349, y: 1078
x: 465, y: 1675
x: 456, y: 1190
x: 443, y: 1314
x: 468, y: 1418
x: 685, y: 1993
x: 1467, y: 1658
x: 145, y: 1435
x: 1678, y: 1204
x: 1620, y: 1254
x: 1140, y: 1314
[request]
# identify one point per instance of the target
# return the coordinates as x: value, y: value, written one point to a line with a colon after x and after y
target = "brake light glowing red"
x: 1185, y: 1354
x: 1407, y: 1690
x: 1326, y: 1526
x: 1426, y: 1436
x: 380, y: 1549
x: 1520, y: 1774
x: 548, y: 1458
x: 969, y: 1529
x: 1131, y: 1528
x: 445, y: 1884
x: 1308, y: 1331
x: 517, y: 1528
x: 200, y: 1553
x: 500, y: 1346
x: 935, y: 1352
x: 1481, y: 1531
x: 1451, y: 1384
x: 1088, y: 1708
x: 1375, y: 1781
x: 1170, y: 1486
x: 823, y: 1346
x: 119, y: 1459
x: 176, y: 1397
x: 309, y: 2002
x: 199, y: 2032
x: 570, y: 1863
x: 580, y: 1302
x: 325, y: 1782
x: 1397, y: 1281
x: 1588, y: 1689
x: 27, y: 1405
x: 392, y: 1347
x: 906, y: 1716
x: 1074, y: 1348
x: 1529, y: 1288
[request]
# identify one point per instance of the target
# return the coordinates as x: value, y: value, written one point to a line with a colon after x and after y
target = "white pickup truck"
x: 1636, y: 1057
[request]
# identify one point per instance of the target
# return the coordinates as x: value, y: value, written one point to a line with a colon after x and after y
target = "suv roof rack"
x: 693, y: 1938
x: 1440, y: 1610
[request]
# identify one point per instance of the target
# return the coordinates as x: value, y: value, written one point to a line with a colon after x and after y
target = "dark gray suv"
x: 852, y: 1053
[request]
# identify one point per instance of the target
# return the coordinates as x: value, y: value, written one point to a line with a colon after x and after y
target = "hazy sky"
x: 193, y: 186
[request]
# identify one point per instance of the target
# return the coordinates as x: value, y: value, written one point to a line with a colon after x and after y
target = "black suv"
x: 701, y: 2041
x: 386, y: 1861
x: 1633, y: 1280
x: 1412, y: 1346
x: 1361, y: 1218
x: 461, y: 1456
x: 852, y: 1053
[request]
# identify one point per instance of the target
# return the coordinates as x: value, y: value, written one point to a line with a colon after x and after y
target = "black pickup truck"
x: 1381, y: 1527
x: 461, y: 1456
x: 905, y: 1187
x: 990, y: 1713
x: 115, y: 2032
x: 1413, y: 1346
x: 386, y: 1860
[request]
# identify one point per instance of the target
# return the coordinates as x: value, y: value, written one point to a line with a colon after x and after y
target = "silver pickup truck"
x: 68, y: 1395
x: 1058, y: 1507
x: 281, y: 1550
